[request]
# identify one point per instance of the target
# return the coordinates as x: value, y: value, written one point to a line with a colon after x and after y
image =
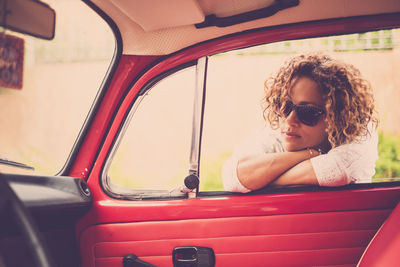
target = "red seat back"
x: 384, y: 249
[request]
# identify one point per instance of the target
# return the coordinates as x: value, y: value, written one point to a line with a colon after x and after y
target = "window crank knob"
x: 192, y: 181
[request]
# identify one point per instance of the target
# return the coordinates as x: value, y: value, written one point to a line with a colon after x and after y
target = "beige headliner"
x: 159, y: 27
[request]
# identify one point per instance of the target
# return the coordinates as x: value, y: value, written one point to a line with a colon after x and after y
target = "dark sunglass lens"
x: 287, y: 108
x: 308, y: 115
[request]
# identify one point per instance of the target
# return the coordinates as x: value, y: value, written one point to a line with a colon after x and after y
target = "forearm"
x: 302, y: 173
x: 257, y: 171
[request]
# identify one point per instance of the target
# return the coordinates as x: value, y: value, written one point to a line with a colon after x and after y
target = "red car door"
x: 297, y: 226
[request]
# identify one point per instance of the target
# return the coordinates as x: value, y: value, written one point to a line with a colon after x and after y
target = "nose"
x: 292, y: 119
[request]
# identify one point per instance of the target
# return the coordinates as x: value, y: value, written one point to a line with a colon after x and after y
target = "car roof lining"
x: 144, y: 12
x: 174, y: 29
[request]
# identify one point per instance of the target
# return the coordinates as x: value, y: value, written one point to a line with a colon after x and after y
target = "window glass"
x: 41, y: 121
x: 154, y: 150
x: 235, y: 88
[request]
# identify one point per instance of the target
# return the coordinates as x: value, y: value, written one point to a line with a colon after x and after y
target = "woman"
x: 322, y: 129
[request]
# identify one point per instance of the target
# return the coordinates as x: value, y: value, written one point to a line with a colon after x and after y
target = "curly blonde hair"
x: 349, y: 102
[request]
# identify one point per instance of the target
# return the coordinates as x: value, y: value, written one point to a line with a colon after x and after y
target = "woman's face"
x: 295, y: 134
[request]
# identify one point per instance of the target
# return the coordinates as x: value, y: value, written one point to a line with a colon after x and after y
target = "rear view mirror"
x: 28, y: 16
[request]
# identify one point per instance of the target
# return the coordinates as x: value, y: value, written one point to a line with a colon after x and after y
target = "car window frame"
x: 68, y: 166
x: 132, y: 194
x: 370, y: 26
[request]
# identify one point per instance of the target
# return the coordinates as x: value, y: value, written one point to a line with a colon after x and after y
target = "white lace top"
x: 350, y: 163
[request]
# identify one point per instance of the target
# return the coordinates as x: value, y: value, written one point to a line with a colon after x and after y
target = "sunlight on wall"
x: 41, y: 122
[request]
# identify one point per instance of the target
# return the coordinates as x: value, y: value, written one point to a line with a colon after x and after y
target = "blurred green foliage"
x: 210, y: 172
x: 388, y: 163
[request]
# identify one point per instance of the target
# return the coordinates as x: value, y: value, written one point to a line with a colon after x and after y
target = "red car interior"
x: 277, y: 229
x: 84, y: 224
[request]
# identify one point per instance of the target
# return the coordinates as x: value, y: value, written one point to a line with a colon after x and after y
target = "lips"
x: 291, y: 134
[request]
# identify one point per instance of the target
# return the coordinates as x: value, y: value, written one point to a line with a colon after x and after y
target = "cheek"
x: 317, y: 133
x: 320, y: 133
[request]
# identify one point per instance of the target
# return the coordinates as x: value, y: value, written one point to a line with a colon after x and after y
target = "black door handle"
x: 193, y: 257
x: 131, y: 260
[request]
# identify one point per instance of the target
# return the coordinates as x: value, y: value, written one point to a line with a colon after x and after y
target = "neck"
x: 324, y: 147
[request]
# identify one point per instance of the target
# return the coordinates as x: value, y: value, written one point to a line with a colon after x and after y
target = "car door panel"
x: 315, y: 231
x: 284, y: 240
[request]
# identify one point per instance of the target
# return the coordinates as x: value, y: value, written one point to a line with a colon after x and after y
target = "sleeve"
x: 229, y: 176
x: 349, y: 163
x: 261, y: 141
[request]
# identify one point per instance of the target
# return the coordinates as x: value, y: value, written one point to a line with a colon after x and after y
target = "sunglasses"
x: 308, y: 115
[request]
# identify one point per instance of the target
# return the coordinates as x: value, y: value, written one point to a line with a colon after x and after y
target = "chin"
x: 292, y: 147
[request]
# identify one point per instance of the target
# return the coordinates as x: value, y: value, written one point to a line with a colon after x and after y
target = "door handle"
x: 193, y: 257
x: 131, y: 260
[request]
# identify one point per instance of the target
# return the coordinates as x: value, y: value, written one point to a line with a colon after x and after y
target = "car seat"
x: 384, y: 248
